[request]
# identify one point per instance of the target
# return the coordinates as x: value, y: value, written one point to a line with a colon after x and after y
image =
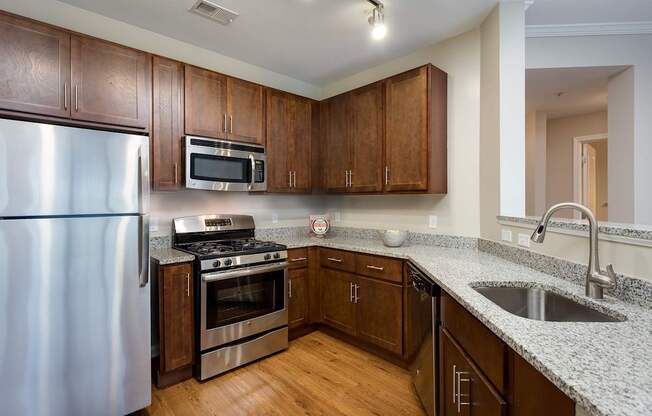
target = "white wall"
x: 458, y: 211
x: 634, y: 50
x: 535, y: 162
x: 622, y: 183
x: 83, y: 21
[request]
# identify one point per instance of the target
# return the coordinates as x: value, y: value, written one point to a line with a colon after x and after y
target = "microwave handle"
x: 253, y: 171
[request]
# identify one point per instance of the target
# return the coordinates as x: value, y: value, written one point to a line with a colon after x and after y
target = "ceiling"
x: 317, y: 41
x: 561, y: 12
x: 584, y: 90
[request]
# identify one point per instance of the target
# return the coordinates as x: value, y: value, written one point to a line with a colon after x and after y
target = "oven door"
x: 220, y: 165
x: 238, y: 303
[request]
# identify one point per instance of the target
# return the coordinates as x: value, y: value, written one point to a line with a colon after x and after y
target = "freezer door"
x: 74, y: 317
x: 55, y: 170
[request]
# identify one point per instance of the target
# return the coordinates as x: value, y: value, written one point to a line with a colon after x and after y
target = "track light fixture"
x: 377, y: 20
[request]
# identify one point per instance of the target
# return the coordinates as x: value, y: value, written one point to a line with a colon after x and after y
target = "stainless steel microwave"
x: 222, y: 165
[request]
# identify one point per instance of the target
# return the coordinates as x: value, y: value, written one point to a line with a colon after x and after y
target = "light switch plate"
x: 432, y: 221
x: 274, y: 218
x: 523, y: 240
x: 506, y: 235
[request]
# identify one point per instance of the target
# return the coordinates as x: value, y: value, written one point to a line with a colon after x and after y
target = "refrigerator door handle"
x: 143, y: 167
x: 143, y: 250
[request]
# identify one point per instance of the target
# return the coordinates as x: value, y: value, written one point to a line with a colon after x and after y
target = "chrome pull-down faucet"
x: 596, y: 280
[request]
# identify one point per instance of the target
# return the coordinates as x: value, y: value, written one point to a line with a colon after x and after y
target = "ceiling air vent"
x: 213, y: 11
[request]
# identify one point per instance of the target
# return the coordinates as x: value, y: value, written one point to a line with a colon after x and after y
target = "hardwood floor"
x: 317, y: 375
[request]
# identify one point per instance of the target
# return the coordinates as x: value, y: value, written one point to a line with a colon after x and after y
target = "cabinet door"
x: 297, y: 297
x: 380, y: 314
x: 34, y: 67
x: 279, y: 106
x: 367, y: 138
x: 335, y: 143
x: 167, y: 124
x: 300, y: 145
x: 110, y: 83
x: 205, y: 103
x: 245, y: 109
x: 338, y: 309
x: 464, y: 390
x: 176, y: 316
x: 406, y: 137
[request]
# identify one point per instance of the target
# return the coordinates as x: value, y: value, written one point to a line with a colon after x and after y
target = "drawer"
x: 298, y: 258
x: 487, y: 351
x: 337, y: 259
x: 379, y: 267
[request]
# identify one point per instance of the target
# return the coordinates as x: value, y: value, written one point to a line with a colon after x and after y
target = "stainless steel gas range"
x: 242, y: 287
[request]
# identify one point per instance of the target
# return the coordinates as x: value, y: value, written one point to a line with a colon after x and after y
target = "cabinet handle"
x: 176, y: 173
x: 65, y: 95
x: 335, y: 260
x: 380, y: 269
x: 459, y: 391
x: 294, y: 178
x: 290, y: 289
x: 386, y: 175
x: 299, y: 259
x: 231, y: 121
x: 350, y: 178
x: 454, y: 381
x: 76, y: 100
x: 290, y: 178
x: 355, y: 293
x: 188, y: 284
x: 351, y: 296
x: 225, y: 123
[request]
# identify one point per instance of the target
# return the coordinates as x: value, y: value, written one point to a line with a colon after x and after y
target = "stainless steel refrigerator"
x: 74, y: 292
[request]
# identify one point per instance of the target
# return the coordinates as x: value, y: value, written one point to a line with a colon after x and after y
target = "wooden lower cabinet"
x: 175, y: 323
x: 297, y: 297
x: 338, y: 309
x: 379, y: 313
x: 463, y: 389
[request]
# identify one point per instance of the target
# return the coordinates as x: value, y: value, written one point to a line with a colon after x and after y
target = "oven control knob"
x: 228, y: 262
x: 277, y: 255
x: 217, y: 263
x: 268, y: 256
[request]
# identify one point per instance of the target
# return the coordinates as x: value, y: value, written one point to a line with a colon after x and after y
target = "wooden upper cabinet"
x: 336, y: 149
x: 205, y: 103
x: 246, y: 111
x: 167, y: 124
x: 301, y: 144
x: 34, y: 67
x: 176, y: 324
x: 289, y: 136
x: 366, y: 136
x: 279, y: 105
x: 406, y: 140
x: 110, y: 83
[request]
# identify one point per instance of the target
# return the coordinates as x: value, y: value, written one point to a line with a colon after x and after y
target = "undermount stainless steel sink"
x: 542, y: 305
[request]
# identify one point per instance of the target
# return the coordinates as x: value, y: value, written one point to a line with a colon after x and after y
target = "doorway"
x: 591, y: 155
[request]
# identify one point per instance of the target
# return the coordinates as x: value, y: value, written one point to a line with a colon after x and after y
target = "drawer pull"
x: 380, y: 269
x: 299, y: 259
x: 335, y: 260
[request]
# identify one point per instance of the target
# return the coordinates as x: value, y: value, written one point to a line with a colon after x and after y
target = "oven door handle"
x: 248, y: 271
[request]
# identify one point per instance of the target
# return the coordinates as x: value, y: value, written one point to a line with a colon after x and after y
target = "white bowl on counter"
x: 394, y: 238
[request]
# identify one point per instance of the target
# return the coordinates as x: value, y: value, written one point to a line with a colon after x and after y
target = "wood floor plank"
x: 317, y: 375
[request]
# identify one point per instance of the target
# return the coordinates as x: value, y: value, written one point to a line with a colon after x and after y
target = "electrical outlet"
x: 506, y: 235
x: 523, y: 240
x: 337, y: 216
x: 274, y: 217
x: 432, y: 221
x: 153, y: 225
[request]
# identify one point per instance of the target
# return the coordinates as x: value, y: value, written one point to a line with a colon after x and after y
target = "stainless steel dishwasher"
x: 422, y: 322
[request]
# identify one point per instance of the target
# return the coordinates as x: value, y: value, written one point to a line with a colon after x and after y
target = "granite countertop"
x: 605, y: 367
x: 170, y: 256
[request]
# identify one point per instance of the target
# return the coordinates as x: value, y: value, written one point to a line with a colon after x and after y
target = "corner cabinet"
x: 167, y: 125
x: 175, y: 323
x: 289, y: 142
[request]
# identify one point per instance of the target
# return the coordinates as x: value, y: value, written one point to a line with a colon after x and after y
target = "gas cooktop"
x: 228, y: 248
